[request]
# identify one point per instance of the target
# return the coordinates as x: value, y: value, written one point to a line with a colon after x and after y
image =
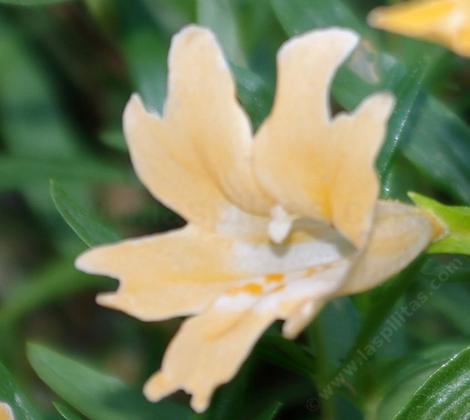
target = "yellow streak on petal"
x: 275, y: 277
x: 250, y: 288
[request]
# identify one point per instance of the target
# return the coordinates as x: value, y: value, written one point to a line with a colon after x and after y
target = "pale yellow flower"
x: 6, y: 412
x: 278, y: 224
x: 446, y: 22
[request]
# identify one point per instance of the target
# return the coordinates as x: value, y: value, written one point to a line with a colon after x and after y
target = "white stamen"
x: 280, y: 225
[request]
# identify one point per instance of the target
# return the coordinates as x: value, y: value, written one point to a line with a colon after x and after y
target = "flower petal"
x: 310, y: 164
x: 164, y: 275
x: 210, y: 348
x: 181, y: 272
x: 400, y: 233
x: 354, y: 186
x: 442, y: 21
x: 197, y: 158
x: 6, y: 412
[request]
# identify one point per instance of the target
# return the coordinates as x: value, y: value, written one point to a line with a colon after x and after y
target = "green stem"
x: 322, y: 377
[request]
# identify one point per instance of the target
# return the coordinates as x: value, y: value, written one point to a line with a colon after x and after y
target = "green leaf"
x: 16, y: 172
x: 282, y: 352
x: 445, y: 394
x: 338, y: 323
x: 87, y: 226
x: 145, y: 54
x: 114, y: 138
x: 454, y: 219
x: 400, y: 379
x: 271, y: 412
x: 408, y: 93
x: 300, y: 15
x: 219, y: 16
x: 453, y: 301
x: 438, y: 146
x: 11, y: 394
x: 94, y: 394
x: 33, y: 2
x: 53, y: 282
x: 66, y: 412
x: 254, y: 94
x: 36, y: 131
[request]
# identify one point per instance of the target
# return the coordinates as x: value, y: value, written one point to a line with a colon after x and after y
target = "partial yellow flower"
x: 445, y: 22
x: 6, y: 412
x: 278, y: 224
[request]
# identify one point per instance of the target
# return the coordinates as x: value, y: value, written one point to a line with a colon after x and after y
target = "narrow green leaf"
x: 36, y: 131
x: 66, y: 412
x: 219, y: 16
x: 114, y: 138
x: 295, y: 14
x: 454, y: 219
x: 438, y: 145
x: 145, y: 55
x: 33, y: 2
x: 282, y: 352
x: 94, y: 394
x: 53, y: 282
x: 11, y: 394
x: 453, y: 301
x: 271, y: 412
x: 255, y: 95
x: 409, y: 93
x: 400, y: 379
x: 445, y: 394
x: 16, y: 172
x: 87, y: 227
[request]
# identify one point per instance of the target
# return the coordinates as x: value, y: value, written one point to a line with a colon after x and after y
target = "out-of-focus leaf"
x: 408, y: 95
x: 16, y: 172
x: 445, y: 394
x: 145, y: 50
x: 438, y: 145
x: 87, y: 227
x: 455, y: 219
x: 338, y: 324
x: 146, y: 57
x: 33, y: 2
x: 219, y: 16
x: 94, y: 394
x: 114, y: 138
x: 229, y: 401
x: 271, y: 412
x: 66, y: 412
x: 401, y: 379
x: 280, y: 351
x: 446, y: 268
x: 254, y: 94
x: 319, y: 13
x: 33, y: 126
x: 11, y: 394
x: 53, y: 282
x: 452, y: 301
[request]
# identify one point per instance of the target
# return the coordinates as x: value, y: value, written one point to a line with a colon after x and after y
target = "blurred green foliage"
x: 67, y: 69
